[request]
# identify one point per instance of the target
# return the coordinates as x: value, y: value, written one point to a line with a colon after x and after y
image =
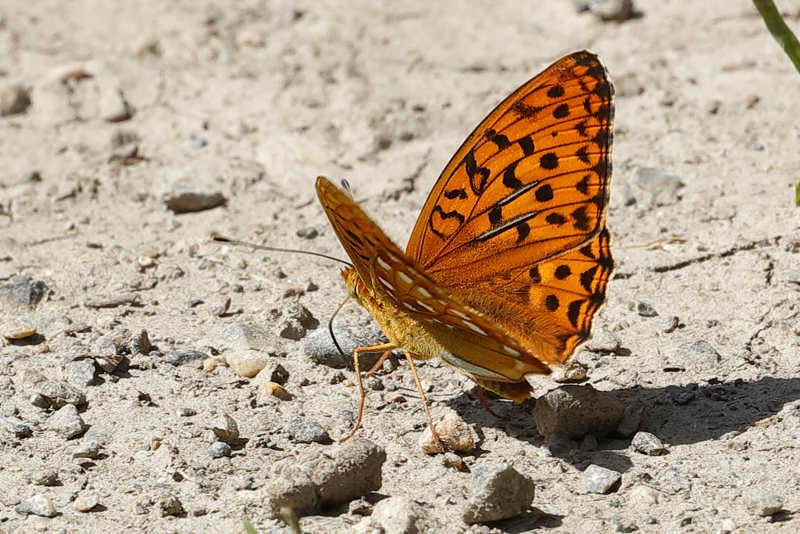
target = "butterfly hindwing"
x: 469, y: 339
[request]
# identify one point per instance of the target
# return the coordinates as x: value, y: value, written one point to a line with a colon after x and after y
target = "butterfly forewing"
x: 515, y: 224
x: 472, y: 341
x: 530, y: 183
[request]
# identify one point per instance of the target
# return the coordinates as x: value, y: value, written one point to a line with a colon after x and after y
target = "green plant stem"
x: 779, y: 30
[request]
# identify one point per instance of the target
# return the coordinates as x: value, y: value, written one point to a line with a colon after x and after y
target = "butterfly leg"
x: 385, y: 356
x: 435, y: 434
x: 357, y: 369
x: 485, y: 402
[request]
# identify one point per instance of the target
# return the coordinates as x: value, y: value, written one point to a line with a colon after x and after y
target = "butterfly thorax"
x: 402, y: 330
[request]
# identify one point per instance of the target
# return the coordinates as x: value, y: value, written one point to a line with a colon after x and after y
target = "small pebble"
x: 643, y: 496
x: 451, y: 459
x: 67, y: 422
x: 187, y: 190
x: 186, y: 412
x: 44, y: 477
x: 455, y: 433
x: 670, y: 324
x: 24, y: 291
x: 763, y: 503
x: 220, y: 306
x: 16, y: 427
x: 171, y: 506
x: 185, y: 357
x: 308, y: 233
x: 647, y: 443
x: 39, y: 505
x: 91, y: 449
x: 219, y: 449
x: 603, y: 341
x: 273, y: 372
x: 497, y: 491
x: 645, y: 310
x: 247, y: 364
x: 267, y: 390
x: 574, y: 411
x: 600, y: 480
x: 226, y: 430
x: 17, y: 329
x: 60, y: 394
x: 81, y: 373
x: 86, y: 501
x: 398, y: 515
x: 14, y: 99
x: 302, y: 430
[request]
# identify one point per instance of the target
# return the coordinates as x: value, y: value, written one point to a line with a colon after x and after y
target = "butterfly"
x: 510, y: 257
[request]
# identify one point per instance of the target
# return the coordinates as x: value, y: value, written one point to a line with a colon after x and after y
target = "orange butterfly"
x: 509, y: 259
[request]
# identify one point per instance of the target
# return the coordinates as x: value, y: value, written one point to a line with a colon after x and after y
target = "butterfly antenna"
x: 222, y: 239
x: 330, y: 326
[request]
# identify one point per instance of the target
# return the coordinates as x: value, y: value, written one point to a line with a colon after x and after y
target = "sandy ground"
x: 134, y: 104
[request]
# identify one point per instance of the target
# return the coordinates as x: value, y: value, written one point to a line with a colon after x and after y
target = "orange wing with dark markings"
x: 515, y: 224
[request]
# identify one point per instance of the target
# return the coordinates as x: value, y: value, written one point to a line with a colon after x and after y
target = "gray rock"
x: 90, y: 449
x: 273, y: 372
x: 575, y: 411
x: 329, y: 476
x: 399, y: 515
x: 600, y: 480
x: 185, y: 357
x: 170, y: 505
x: 498, y: 491
x: 39, y: 400
x: 185, y: 192
x: 24, y: 291
x: 647, y: 443
x: 123, y: 342
x: 302, y: 430
x: 700, y: 352
x: 226, y: 430
x: 44, y: 477
x: 14, y: 98
x: 60, y: 394
x: 39, y: 505
x: 242, y: 336
x: 86, y: 501
x: 16, y: 427
x: 662, y: 185
x: 112, y: 105
x: 320, y: 348
x: 295, y: 321
x: 763, y: 503
x: 67, y: 422
x: 603, y: 341
x: 607, y: 10
x: 81, y: 373
x: 645, y: 310
x: 219, y: 449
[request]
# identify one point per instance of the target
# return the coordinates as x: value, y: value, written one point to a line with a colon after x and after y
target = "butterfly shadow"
x: 515, y: 420
x: 678, y: 415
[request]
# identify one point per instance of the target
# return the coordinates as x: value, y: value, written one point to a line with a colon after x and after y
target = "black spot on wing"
x: 455, y: 193
x: 510, y: 179
x: 587, y: 277
x: 574, y: 312
x: 526, y: 143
